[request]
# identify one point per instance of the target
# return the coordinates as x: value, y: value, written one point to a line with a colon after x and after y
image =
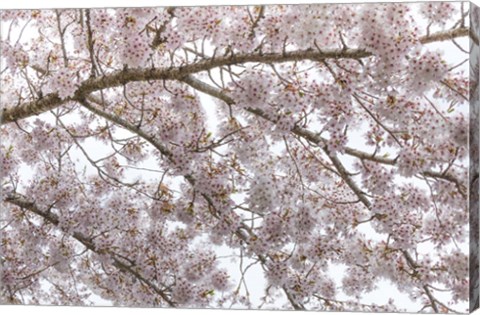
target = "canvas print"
x: 319, y: 157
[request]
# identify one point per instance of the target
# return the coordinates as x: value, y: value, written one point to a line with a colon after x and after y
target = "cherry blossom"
x: 306, y: 157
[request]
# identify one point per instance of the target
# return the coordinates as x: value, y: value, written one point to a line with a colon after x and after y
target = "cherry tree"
x: 161, y: 156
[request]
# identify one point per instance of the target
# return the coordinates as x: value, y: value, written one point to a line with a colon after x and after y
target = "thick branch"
x: 28, y: 109
x: 446, y: 35
x: 122, y: 77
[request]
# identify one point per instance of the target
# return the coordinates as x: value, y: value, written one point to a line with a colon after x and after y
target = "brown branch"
x: 355, y: 96
x: 261, y: 15
x: 341, y: 171
x: 445, y: 83
x: 243, y: 232
x: 23, y: 202
x: 361, y: 195
x: 90, y: 42
x: 429, y: 294
x: 448, y: 177
x: 308, y: 135
x: 445, y: 35
x: 344, y: 174
x: 158, y: 39
x: 122, y: 77
x: 28, y: 109
x: 62, y: 39
x: 115, y: 79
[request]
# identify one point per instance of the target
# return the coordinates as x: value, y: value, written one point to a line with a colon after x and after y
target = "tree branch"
x: 445, y: 35
x: 244, y: 232
x: 158, y: 39
x: 122, y: 77
x: 344, y: 174
x: 90, y: 42
x: 311, y: 136
x: 62, y: 39
x: 23, y: 202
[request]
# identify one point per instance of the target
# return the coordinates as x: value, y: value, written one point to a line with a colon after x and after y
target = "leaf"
x: 391, y: 100
x: 118, y: 110
x: 189, y: 97
x: 9, y: 152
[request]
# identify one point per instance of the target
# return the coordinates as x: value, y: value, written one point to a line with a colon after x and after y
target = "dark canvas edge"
x: 474, y: 157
